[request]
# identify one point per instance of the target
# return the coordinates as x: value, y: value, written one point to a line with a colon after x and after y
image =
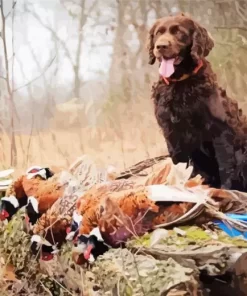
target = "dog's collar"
x: 185, y: 76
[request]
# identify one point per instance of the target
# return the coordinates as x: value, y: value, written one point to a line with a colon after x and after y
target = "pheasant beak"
x: 4, y: 215
x: 75, y: 240
x: 88, y: 251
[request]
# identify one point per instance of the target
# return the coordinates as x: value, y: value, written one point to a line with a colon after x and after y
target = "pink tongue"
x: 166, y: 67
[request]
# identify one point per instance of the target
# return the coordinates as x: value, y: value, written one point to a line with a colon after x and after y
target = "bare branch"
x: 5, y: 48
x: 30, y: 140
x: 231, y: 28
x: 77, y: 65
x: 70, y: 1
x: 49, y: 97
x: 7, y: 78
x: 53, y: 33
x: 82, y: 18
x: 12, y: 8
x: 12, y: 108
x: 32, y: 125
x: 36, y: 78
x: 240, y: 11
x: 92, y: 8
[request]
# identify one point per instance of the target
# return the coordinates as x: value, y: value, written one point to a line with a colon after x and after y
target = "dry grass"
x: 124, y: 135
x: 60, y: 148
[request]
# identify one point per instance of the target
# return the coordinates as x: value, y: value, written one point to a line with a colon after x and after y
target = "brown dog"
x: 200, y: 122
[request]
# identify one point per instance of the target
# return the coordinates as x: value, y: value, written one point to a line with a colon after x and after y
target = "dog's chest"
x: 181, y: 106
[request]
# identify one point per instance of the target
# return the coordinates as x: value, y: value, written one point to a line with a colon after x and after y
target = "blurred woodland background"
x: 74, y: 76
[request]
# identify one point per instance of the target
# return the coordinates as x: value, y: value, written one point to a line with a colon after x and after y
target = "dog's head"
x: 174, y: 37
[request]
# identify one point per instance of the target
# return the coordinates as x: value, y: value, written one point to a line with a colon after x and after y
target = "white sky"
x: 29, y: 33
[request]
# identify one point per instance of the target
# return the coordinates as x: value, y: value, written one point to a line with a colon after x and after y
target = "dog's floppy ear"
x: 202, y: 43
x: 150, y: 43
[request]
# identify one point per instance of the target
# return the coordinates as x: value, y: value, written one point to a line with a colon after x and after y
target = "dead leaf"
x: 9, y: 273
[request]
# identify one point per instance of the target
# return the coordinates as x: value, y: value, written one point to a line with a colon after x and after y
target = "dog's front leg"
x: 177, y: 150
x: 225, y: 154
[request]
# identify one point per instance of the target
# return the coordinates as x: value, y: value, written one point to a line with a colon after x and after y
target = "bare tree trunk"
x: 119, y: 77
x: 140, y: 58
x: 77, y: 66
x: 142, y: 31
x: 12, y: 109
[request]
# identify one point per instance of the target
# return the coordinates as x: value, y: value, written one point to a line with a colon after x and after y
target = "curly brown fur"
x: 200, y: 122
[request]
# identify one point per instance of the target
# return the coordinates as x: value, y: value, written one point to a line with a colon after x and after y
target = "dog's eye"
x: 161, y: 30
x: 174, y: 29
x: 182, y: 36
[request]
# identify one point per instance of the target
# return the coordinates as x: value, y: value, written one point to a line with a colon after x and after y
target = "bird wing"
x: 166, y: 172
x: 16, y: 188
x: 46, y: 192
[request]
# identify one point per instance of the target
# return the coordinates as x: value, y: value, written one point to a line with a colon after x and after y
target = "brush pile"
x: 166, y: 233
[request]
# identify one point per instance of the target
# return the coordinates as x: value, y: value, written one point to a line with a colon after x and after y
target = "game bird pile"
x: 150, y: 230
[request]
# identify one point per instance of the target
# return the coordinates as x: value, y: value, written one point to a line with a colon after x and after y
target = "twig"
x: 45, y: 289
x: 240, y: 11
x: 142, y: 217
x: 12, y: 8
x: 36, y: 78
x: 140, y: 166
x: 230, y: 28
x: 127, y: 228
x: 49, y: 96
x: 53, y: 33
x: 30, y: 140
x: 62, y: 286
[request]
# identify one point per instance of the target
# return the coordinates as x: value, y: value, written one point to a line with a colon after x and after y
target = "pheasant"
x: 87, y: 248
x: 16, y: 195
x: 91, y: 198
x: 55, y: 223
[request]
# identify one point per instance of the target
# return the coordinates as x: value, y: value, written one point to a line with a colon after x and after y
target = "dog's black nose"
x: 163, y: 44
x: 160, y: 47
